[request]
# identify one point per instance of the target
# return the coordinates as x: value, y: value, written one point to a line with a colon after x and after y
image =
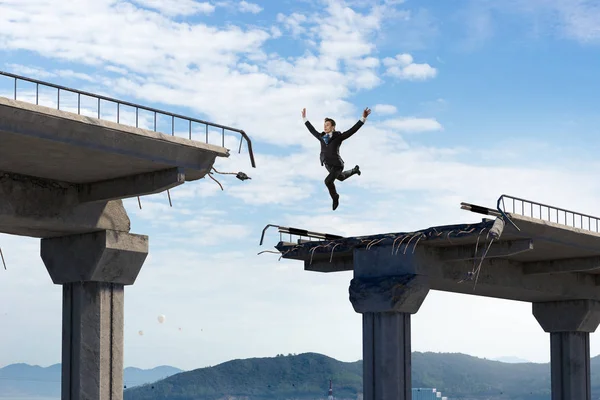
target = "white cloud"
x: 574, y: 19
x: 173, y: 45
x: 384, y: 109
x: 411, y: 124
x: 403, y: 67
x: 174, y: 8
x: 228, y: 66
x: 250, y: 7
x: 293, y: 22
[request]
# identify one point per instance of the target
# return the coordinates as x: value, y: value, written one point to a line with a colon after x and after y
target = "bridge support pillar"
x: 386, y: 294
x: 569, y: 324
x: 93, y: 269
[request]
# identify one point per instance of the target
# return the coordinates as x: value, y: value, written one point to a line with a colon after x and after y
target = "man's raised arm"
x: 356, y: 126
x: 311, y: 128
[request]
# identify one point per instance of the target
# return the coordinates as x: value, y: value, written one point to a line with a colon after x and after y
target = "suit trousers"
x: 335, y: 172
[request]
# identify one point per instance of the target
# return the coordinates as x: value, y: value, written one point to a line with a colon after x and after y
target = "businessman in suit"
x: 331, y: 140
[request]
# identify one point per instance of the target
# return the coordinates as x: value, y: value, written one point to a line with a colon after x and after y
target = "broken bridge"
x: 63, y: 176
x: 537, y: 253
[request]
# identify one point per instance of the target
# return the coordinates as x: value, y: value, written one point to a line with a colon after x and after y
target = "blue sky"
x: 470, y: 99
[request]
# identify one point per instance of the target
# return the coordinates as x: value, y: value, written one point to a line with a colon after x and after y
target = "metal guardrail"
x: 298, y: 232
x: 546, y: 212
x: 137, y: 107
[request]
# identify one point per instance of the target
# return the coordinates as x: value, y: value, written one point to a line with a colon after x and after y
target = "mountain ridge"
x: 31, y: 380
x: 306, y: 376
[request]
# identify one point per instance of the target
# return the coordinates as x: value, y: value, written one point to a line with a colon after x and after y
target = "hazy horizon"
x: 509, y: 359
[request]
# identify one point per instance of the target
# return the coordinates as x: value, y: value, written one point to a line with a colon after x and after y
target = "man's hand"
x: 304, y: 113
x: 366, y: 112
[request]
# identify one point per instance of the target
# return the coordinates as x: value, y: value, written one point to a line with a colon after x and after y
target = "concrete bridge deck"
x: 59, y: 170
x: 543, y: 261
x: 47, y: 143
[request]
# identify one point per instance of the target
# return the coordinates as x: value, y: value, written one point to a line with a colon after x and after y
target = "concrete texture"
x: 404, y: 293
x: 106, y: 256
x: 446, y: 255
x: 92, y: 348
x: 387, y: 356
x: 568, y: 316
x: 43, y: 208
x: 47, y: 143
x: 570, y: 365
x: 131, y: 186
x: 569, y: 324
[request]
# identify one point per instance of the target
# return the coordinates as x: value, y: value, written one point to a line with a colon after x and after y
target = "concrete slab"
x: 552, y: 241
x: 47, y: 143
x: 543, y: 261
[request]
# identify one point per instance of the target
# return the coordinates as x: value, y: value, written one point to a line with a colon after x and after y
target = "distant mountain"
x: 512, y: 360
x: 135, y: 376
x: 306, y: 376
x: 24, y: 380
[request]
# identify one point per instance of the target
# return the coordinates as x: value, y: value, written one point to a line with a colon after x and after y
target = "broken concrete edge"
x: 401, y: 293
x: 78, y: 118
x: 439, y: 235
x: 433, y: 236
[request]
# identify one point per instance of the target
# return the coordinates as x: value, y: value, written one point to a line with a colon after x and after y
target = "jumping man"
x: 331, y: 140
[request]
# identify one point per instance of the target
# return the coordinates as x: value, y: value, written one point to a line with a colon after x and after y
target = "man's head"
x: 329, y: 125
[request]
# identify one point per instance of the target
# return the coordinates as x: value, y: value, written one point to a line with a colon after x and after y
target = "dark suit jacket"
x: 330, y: 153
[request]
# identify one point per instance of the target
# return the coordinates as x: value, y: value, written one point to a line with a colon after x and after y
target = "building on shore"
x: 427, y: 394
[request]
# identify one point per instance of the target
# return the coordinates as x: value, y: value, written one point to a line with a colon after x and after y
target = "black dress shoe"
x: 336, y: 201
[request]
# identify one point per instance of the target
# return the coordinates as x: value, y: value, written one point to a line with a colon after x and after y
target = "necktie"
x: 326, y: 139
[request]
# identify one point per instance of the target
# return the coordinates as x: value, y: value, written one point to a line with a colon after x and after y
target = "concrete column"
x: 93, y: 269
x: 569, y: 324
x: 387, y: 304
